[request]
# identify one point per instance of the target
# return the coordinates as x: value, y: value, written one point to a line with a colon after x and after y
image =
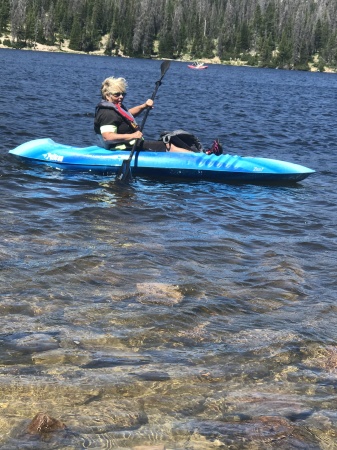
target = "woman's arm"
x: 136, y: 110
x: 110, y: 136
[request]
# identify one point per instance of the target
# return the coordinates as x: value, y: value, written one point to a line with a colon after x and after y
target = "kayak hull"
x: 198, y: 166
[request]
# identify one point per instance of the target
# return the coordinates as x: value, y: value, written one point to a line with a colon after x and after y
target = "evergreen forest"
x: 267, y: 33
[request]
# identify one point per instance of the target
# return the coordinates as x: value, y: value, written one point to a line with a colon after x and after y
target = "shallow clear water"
x: 193, y: 315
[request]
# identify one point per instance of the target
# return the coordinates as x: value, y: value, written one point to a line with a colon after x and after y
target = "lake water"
x: 184, y: 315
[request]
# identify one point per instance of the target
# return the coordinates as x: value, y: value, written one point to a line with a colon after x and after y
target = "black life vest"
x: 125, y: 115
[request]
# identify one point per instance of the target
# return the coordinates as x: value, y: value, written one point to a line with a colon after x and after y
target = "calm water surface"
x: 190, y: 315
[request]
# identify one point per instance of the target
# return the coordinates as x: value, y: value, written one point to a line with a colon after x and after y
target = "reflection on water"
x: 190, y: 316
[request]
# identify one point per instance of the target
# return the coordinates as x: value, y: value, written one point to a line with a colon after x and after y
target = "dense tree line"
x: 283, y: 33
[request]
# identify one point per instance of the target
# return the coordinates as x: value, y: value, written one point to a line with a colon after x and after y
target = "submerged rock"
x: 159, y: 293
x: 32, y: 342
x: 42, y: 423
x: 152, y: 376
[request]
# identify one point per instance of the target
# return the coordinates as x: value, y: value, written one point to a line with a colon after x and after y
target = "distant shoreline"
x: 216, y: 60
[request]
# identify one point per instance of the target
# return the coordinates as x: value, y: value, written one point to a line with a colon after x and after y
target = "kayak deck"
x: 226, y: 168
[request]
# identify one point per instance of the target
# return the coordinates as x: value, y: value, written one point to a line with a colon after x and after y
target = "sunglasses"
x: 118, y: 94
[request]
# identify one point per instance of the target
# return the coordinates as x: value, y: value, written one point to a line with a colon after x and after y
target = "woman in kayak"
x: 115, y: 125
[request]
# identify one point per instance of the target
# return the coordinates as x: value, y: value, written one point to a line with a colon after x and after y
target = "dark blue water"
x: 193, y: 315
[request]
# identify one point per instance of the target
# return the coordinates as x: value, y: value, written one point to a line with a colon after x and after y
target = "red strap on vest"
x: 127, y: 116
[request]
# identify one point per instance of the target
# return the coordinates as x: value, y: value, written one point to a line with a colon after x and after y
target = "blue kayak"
x: 196, y: 166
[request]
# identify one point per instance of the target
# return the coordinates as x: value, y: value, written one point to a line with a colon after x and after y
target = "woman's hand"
x: 137, y: 135
x: 138, y: 109
x: 149, y: 103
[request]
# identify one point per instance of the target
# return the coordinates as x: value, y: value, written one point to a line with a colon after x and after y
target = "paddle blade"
x: 164, y: 67
x: 124, y: 174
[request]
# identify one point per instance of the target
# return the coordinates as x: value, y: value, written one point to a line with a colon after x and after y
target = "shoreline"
x: 216, y: 60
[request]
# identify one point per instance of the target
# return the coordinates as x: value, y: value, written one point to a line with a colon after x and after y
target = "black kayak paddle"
x: 124, y: 174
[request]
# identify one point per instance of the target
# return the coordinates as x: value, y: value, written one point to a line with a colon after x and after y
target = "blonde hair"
x: 111, y: 85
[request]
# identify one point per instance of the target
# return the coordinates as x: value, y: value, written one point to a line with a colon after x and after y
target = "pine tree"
x: 245, y: 36
x: 318, y: 36
x: 75, y: 42
x: 267, y: 51
x: 4, y: 15
x: 166, y: 42
x: 31, y: 24
x: 18, y: 21
x: 197, y: 44
x: 285, y: 49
